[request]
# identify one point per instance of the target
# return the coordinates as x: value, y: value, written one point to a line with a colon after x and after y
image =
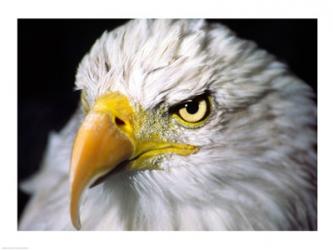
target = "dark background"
x: 49, y: 51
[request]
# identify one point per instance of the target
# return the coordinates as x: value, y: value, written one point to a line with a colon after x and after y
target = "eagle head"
x: 189, y: 127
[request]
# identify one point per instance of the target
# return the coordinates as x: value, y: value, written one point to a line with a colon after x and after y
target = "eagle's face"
x: 199, y: 130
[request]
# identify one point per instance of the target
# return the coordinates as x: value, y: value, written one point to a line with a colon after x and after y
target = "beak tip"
x: 75, y: 211
x: 75, y: 218
x: 77, y: 224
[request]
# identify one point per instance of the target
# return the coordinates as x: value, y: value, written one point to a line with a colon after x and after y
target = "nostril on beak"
x: 119, y: 122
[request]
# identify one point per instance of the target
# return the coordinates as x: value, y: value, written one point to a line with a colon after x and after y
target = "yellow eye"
x: 193, y: 112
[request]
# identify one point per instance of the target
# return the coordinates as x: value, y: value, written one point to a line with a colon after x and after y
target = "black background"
x: 49, y: 51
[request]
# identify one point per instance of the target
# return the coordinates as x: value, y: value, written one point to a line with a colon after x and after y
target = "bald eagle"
x: 181, y: 126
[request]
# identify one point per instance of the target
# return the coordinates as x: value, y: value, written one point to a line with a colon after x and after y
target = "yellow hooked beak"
x: 106, y: 139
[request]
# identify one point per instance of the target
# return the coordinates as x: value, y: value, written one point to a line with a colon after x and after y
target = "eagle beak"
x: 106, y: 140
x: 99, y: 147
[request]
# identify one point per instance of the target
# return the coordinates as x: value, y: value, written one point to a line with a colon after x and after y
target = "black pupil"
x: 192, y: 107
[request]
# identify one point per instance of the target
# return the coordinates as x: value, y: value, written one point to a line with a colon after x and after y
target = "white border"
x: 9, y: 12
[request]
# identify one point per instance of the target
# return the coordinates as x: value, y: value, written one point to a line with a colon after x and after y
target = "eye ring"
x: 193, y: 112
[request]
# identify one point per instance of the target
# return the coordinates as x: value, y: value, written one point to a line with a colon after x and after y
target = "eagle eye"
x: 192, y: 112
